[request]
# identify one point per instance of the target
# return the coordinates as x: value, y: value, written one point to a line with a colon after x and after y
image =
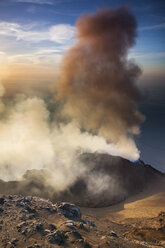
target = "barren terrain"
x: 35, y: 222
x: 132, y: 217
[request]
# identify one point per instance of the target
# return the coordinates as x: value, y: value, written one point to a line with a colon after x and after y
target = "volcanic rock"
x: 52, y: 229
x: 2, y: 200
x: 56, y: 237
x: 70, y: 210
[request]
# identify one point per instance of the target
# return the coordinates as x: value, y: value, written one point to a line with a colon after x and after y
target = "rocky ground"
x: 29, y: 222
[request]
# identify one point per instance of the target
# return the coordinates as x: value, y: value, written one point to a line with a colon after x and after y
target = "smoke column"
x: 97, y: 81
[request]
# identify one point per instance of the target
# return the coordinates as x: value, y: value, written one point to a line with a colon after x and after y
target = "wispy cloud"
x: 2, y: 53
x: 50, y: 2
x: 46, y: 56
x: 42, y: 58
x: 147, y: 55
x: 24, y: 43
x: 61, y: 33
x: 153, y: 27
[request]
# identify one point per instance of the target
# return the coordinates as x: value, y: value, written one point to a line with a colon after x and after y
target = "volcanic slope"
x: 107, y: 180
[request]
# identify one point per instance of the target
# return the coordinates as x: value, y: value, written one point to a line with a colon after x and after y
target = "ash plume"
x: 97, y: 82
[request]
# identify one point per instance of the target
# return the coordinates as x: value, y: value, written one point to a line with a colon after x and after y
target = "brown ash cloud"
x: 97, y: 81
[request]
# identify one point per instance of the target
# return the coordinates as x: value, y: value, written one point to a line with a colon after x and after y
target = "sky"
x: 35, y: 34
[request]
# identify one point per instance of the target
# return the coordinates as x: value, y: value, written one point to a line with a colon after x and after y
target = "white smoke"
x: 29, y: 139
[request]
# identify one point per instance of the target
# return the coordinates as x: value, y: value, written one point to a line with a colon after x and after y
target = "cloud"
x: 50, y: 2
x: 153, y: 27
x: 2, y: 53
x: 147, y: 55
x: 16, y: 43
x: 61, y: 33
x: 40, y: 57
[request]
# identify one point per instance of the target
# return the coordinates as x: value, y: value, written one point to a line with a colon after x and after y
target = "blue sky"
x: 30, y: 31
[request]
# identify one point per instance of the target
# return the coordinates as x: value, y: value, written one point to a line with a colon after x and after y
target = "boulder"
x: 56, y: 237
x: 2, y: 200
x: 70, y: 210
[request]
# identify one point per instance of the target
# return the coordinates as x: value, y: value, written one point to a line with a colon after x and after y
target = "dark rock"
x: 30, y: 210
x: 70, y: 210
x: 80, y: 242
x: 87, y: 245
x: 34, y: 246
x: 77, y: 235
x: 83, y: 243
x: 89, y: 223
x: 37, y: 245
x: 56, y: 237
x: 31, y: 216
x: 51, y: 209
x: 21, y: 204
x: 70, y: 224
x: 52, y: 227
x: 2, y: 200
x: 114, y: 234
x: 8, y: 204
x: 162, y: 214
x: 11, y: 246
x: 19, y: 226
x: 26, y: 231
x: 26, y: 199
x: 14, y: 241
x: 83, y: 227
x: 39, y: 227
x: 23, y: 217
x: 1, y: 210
